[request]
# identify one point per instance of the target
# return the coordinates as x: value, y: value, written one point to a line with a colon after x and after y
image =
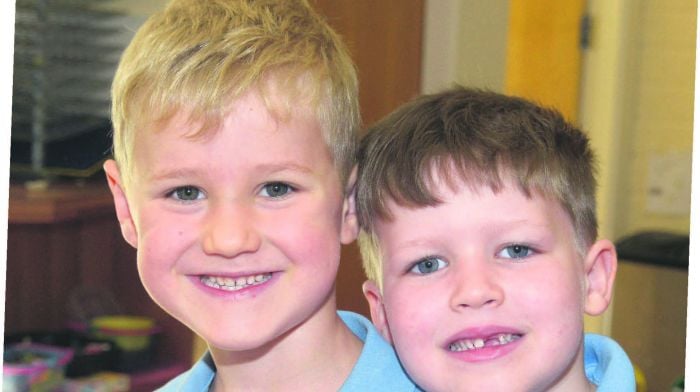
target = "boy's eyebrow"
x: 413, y: 242
x: 174, y: 173
x: 185, y: 172
x: 496, y: 226
x: 282, y: 166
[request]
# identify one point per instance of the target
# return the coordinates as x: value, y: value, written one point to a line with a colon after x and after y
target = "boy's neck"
x: 318, y: 355
x: 575, y: 379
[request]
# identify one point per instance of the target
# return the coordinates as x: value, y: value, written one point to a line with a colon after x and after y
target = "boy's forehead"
x: 446, y: 189
x: 248, y: 124
x: 275, y: 110
x: 250, y: 145
x: 188, y: 122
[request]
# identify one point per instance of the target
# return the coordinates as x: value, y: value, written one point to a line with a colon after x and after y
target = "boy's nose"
x: 230, y: 231
x: 476, y: 285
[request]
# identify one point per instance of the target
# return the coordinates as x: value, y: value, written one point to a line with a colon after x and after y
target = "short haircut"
x: 479, y: 138
x: 199, y: 56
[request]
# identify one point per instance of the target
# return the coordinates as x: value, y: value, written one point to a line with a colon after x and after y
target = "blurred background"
x: 621, y: 69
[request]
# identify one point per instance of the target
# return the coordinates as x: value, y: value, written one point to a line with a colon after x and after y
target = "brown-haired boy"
x: 479, y: 238
x: 234, y: 138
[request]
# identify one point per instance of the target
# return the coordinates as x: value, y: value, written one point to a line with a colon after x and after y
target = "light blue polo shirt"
x: 606, y: 364
x: 377, y: 368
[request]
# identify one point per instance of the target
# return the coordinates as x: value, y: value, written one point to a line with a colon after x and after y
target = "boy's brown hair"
x: 476, y: 137
x: 199, y: 56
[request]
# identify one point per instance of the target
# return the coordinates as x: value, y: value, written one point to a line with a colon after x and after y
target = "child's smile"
x: 482, y: 345
x: 473, y: 346
x: 227, y: 283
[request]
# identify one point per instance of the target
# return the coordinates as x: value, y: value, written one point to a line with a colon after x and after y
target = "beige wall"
x: 464, y: 42
x: 602, y: 80
x: 658, y: 117
x: 482, y: 40
x: 637, y: 102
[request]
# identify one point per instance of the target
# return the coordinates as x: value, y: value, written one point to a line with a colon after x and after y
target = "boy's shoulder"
x: 377, y: 368
x: 197, y: 379
x: 607, y: 365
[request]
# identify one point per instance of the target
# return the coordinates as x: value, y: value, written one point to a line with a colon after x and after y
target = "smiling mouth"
x: 234, y: 284
x: 477, y: 343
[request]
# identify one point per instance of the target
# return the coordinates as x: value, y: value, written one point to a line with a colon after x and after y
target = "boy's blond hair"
x: 199, y: 55
x: 480, y: 138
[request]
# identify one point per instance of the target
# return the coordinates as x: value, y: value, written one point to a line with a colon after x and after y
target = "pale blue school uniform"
x: 377, y: 368
x: 607, y: 365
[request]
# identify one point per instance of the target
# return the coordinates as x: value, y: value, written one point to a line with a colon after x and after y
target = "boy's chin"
x: 222, y: 347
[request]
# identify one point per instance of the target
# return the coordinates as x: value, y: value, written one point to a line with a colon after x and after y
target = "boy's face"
x: 486, y: 292
x: 238, y: 234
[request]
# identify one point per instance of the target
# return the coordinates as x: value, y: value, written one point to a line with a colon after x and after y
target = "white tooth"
x: 469, y: 344
x: 478, y: 343
x: 233, y: 284
x: 211, y: 282
x: 502, y: 339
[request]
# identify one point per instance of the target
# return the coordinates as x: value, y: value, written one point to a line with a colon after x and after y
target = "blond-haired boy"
x: 479, y: 238
x: 234, y: 139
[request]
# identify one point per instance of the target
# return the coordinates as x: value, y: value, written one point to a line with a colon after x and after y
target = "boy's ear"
x: 376, y: 308
x: 350, y: 226
x: 600, y: 267
x: 121, y: 204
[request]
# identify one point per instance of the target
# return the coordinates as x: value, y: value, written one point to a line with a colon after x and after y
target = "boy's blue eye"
x: 187, y: 193
x: 276, y: 189
x: 428, y: 265
x: 516, y: 251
